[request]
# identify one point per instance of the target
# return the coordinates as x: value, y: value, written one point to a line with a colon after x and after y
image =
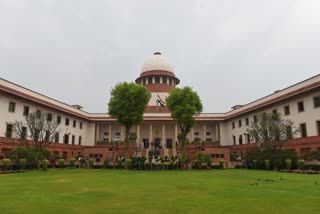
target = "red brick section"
x: 158, y: 87
x: 7, y: 144
x: 298, y: 144
x: 157, y: 109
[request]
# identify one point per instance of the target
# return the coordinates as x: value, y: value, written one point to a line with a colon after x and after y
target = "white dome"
x: 157, y: 62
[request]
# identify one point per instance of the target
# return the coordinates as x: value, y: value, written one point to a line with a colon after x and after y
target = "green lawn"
x: 107, y: 191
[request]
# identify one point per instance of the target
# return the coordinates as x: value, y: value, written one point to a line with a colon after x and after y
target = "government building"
x: 220, y: 134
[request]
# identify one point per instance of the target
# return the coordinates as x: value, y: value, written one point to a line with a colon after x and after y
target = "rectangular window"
x: 303, y: 130
x: 170, y: 81
x: 239, y: 123
x: 144, y: 81
x: 208, y: 133
x: 80, y: 125
x: 247, y: 121
x: 12, y: 107
x: 58, y: 119
x: 316, y: 101
x: 300, y: 106
x: 157, y: 79
x: 24, y: 133
x: 74, y: 124
x: 80, y: 140
x: 286, y: 110
x: 25, y: 110
x: 67, y: 122
x: 255, y: 119
x: 234, y: 140
x: 66, y: 139
x: 56, y: 137
x: 49, y: 117
x: 233, y: 125
x: 106, y: 133
x: 289, y: 132
x: 9, y: 130
x: 47, y: 137
x: 248, y: 138
x: 38, y: 114
x: 117, y: 133
x: 150, y: 80
x: 318, y: 127
x: 73, y: 139
x: 240, y: 139
x: 196, y: 133
x: 164, y: 80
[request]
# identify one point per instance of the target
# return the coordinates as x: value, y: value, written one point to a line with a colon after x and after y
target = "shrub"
x: 238, y: 166
x: 91, y: 163
x: 6, y: 163
x: 45, y: 164
x: 288, y: 164
x: 72, y: 162
x: 255, y: 165
x: 61, y: 163
x: 221, y: 164
x: 183, y: 158
x: 119, y: 162
x: 312, y: 167
x: 267, y: 164
x: 129, y: 163
x: 105, y: 163
x: 22, y: 163
x: 301, y: 163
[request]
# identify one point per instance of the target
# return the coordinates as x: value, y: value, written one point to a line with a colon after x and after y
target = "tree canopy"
x: 271, y: 130
x: 127, y: 104
x: 184, y: 103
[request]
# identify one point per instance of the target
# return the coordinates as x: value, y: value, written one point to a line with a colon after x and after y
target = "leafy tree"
x: 183, y: 104
x: 37, y: 131
x: 271, y: 131
x: 127, y: 104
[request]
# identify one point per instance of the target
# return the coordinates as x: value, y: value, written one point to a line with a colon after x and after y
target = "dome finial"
x: 157, y: 53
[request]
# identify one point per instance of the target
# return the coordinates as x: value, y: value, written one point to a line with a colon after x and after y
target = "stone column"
x: 164, y: 136
x: 138, y: 133
x: 150, y: 133
x: 217, y: 132
x: 192, y: 134
x: 204, y: 132
x: 175, y: 135
x: 110, y: 133
x: 97, y: 133
x: 122, y: 134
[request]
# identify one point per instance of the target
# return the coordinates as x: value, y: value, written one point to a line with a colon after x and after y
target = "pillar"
x: 204, y: 132
x: 110, y: 133
x: 138, y: 133
x: 164, y: 135
x: 150, y: 133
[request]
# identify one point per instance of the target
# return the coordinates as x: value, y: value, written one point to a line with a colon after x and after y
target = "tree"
x: 127, y: 104
x: 183, y: 105
x: 271, y: 131
x: 38, y: 130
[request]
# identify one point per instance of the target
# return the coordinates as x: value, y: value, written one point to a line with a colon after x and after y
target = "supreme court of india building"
x: 221, y: 133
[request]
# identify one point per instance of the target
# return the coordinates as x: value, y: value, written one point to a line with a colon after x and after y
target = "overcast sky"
x: 230, y: 52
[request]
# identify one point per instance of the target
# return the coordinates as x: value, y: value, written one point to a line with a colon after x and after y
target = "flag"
x: 161, y: 101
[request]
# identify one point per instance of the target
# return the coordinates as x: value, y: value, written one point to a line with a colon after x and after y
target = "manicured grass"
x: 107, y: 191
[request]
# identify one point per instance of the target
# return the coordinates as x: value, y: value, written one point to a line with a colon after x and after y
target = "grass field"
x: 107, y: 191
